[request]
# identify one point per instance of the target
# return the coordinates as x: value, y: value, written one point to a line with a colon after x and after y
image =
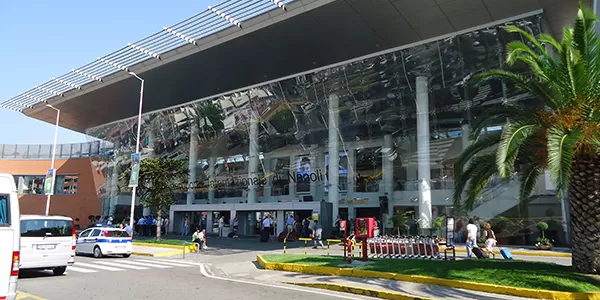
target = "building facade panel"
x: 78, y: 190
x: 372, y: 137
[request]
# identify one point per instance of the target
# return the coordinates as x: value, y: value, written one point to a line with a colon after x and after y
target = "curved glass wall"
x: 273, y: 143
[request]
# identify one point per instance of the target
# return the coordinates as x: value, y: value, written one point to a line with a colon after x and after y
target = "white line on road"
x: 178, y: 261
x: 76, y: 269
x: 146, y: 264
x: 98, y: 267
x: 164, y: 263
x: 121, y: 265
x: 327, y: 293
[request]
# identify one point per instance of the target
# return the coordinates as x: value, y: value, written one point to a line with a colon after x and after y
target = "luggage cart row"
x: 404, y: 247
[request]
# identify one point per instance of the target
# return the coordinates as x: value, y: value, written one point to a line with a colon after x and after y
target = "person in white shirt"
x: 290, y: 224
x: 267, y: 226
x: 471, y: 237
x: 221, y: 225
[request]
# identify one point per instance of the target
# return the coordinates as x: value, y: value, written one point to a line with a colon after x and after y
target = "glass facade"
x: 394, y: 120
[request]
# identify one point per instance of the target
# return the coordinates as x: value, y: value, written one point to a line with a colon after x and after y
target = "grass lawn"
x: 512, y: 273
x: 162, y: 242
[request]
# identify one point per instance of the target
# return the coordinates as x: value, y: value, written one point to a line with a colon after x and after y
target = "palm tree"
x: 561, y: 136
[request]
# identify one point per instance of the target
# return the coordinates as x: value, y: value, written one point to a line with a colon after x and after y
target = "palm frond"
x: 513, y: 136
x: 523, y: 83
x: 561, y: 149
x: 529, y: 174
x: 484, y: 142
x: 500, y: 115
x: 530, y: 38
x: 477, y: 173
x: 484, y: 169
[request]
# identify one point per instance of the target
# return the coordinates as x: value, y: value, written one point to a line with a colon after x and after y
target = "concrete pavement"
x: 172, y: 280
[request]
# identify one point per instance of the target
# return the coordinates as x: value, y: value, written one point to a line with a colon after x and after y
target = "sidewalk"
x: 155, y: 251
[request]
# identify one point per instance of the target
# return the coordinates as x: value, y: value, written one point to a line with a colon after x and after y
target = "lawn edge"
x: 526, y: 253
x: 180, y: 247
x: 359, y: 291
x: 481, y: 287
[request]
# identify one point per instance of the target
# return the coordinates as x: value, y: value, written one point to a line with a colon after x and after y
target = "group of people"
x: 148, y: 225
x: 309, y: 228
x: 473, y: 233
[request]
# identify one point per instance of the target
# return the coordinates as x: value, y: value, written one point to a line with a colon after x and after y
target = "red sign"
x: 365, y: 227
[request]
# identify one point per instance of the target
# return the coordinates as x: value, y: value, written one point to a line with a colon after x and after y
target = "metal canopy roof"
x: 240, y: 43
x: 214, y: 19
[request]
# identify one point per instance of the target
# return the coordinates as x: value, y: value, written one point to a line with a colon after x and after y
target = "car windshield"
x: 42, y: 228
x: 117, y: 233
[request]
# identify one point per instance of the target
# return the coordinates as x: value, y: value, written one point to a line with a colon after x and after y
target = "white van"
x: 10, y: 237
x: 47, y: 243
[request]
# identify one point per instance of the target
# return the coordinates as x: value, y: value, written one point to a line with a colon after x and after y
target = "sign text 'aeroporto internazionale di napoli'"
x: 315, y: 176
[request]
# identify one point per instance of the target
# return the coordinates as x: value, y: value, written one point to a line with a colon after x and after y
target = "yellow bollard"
x: 284, y: 245
x: 305, y: 242
x: 329, y: 241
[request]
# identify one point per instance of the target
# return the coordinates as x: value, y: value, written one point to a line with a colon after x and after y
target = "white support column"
x: 292, y: 168
x: 114, y: 181
x: 151, y: 137
x: 253, y: 159
x: 388, y: 172
x: 334, y: 158
x: 314, y: 166
x: 212, y: 161
x: 192, y: 161
x: 424, y: 170
x: 209, y: 223
x: 351, y: 179
x: 466, y: 131
x: 267, y: 188
x: 280, y: 218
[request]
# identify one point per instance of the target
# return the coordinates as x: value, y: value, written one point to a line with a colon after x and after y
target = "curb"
x: 528, y: 253
x: 160, y: 254
x: 158, y: 245
x: 359, y: 291
x: 481, y: 287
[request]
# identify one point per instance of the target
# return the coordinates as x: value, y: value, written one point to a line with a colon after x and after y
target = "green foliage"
x: 542, y: 226
x: 283, y: 121
x: 159, y: 179
x: 399, y: 221
x: 565, y: 128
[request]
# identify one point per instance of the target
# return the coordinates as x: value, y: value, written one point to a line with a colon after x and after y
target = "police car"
x: 101, y: 241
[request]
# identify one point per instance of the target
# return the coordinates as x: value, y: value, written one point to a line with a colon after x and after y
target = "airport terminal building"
x: 356, y: 108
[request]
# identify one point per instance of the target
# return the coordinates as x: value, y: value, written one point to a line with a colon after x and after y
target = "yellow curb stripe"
x: 26, y: 296
x: 359, y: 291
x: 527, y: 253
x: 482, y: 287
x: 158, y: 245
x: 161, y: 254
x: 142, y: 253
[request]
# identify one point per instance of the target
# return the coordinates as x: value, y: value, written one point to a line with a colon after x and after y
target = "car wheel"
x: 97, y: 252
x: 59, y: 271
x: 126, y: 255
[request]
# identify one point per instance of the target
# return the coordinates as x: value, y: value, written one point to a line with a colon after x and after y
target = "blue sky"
x: 44, y: 39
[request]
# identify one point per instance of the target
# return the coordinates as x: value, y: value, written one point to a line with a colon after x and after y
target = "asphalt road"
x: 141, y: 277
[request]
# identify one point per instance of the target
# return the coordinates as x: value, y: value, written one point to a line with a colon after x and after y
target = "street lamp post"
x: 137, y: 143
x: 53, y: 156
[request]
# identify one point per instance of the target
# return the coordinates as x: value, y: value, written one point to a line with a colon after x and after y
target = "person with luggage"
x: 317, y: 234
x: 490, y: 238
x: 471, y: 237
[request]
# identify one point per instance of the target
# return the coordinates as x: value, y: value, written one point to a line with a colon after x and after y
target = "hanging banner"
x: 135, y: 169
x: 49, y: 182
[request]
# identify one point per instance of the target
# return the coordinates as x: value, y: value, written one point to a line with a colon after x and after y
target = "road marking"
x: 76, y: 269
x: 179, y: 262
x: 121, y: 265
x: 147, y: 265
x: 328, y: 293
x: 97, y: 267
x: 164, y: 263
x: 26, y: 296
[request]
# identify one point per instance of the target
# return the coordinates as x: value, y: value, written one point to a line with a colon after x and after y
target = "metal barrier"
x: 197, y: 245
x: 331, y: 241
x: 305, y: 242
